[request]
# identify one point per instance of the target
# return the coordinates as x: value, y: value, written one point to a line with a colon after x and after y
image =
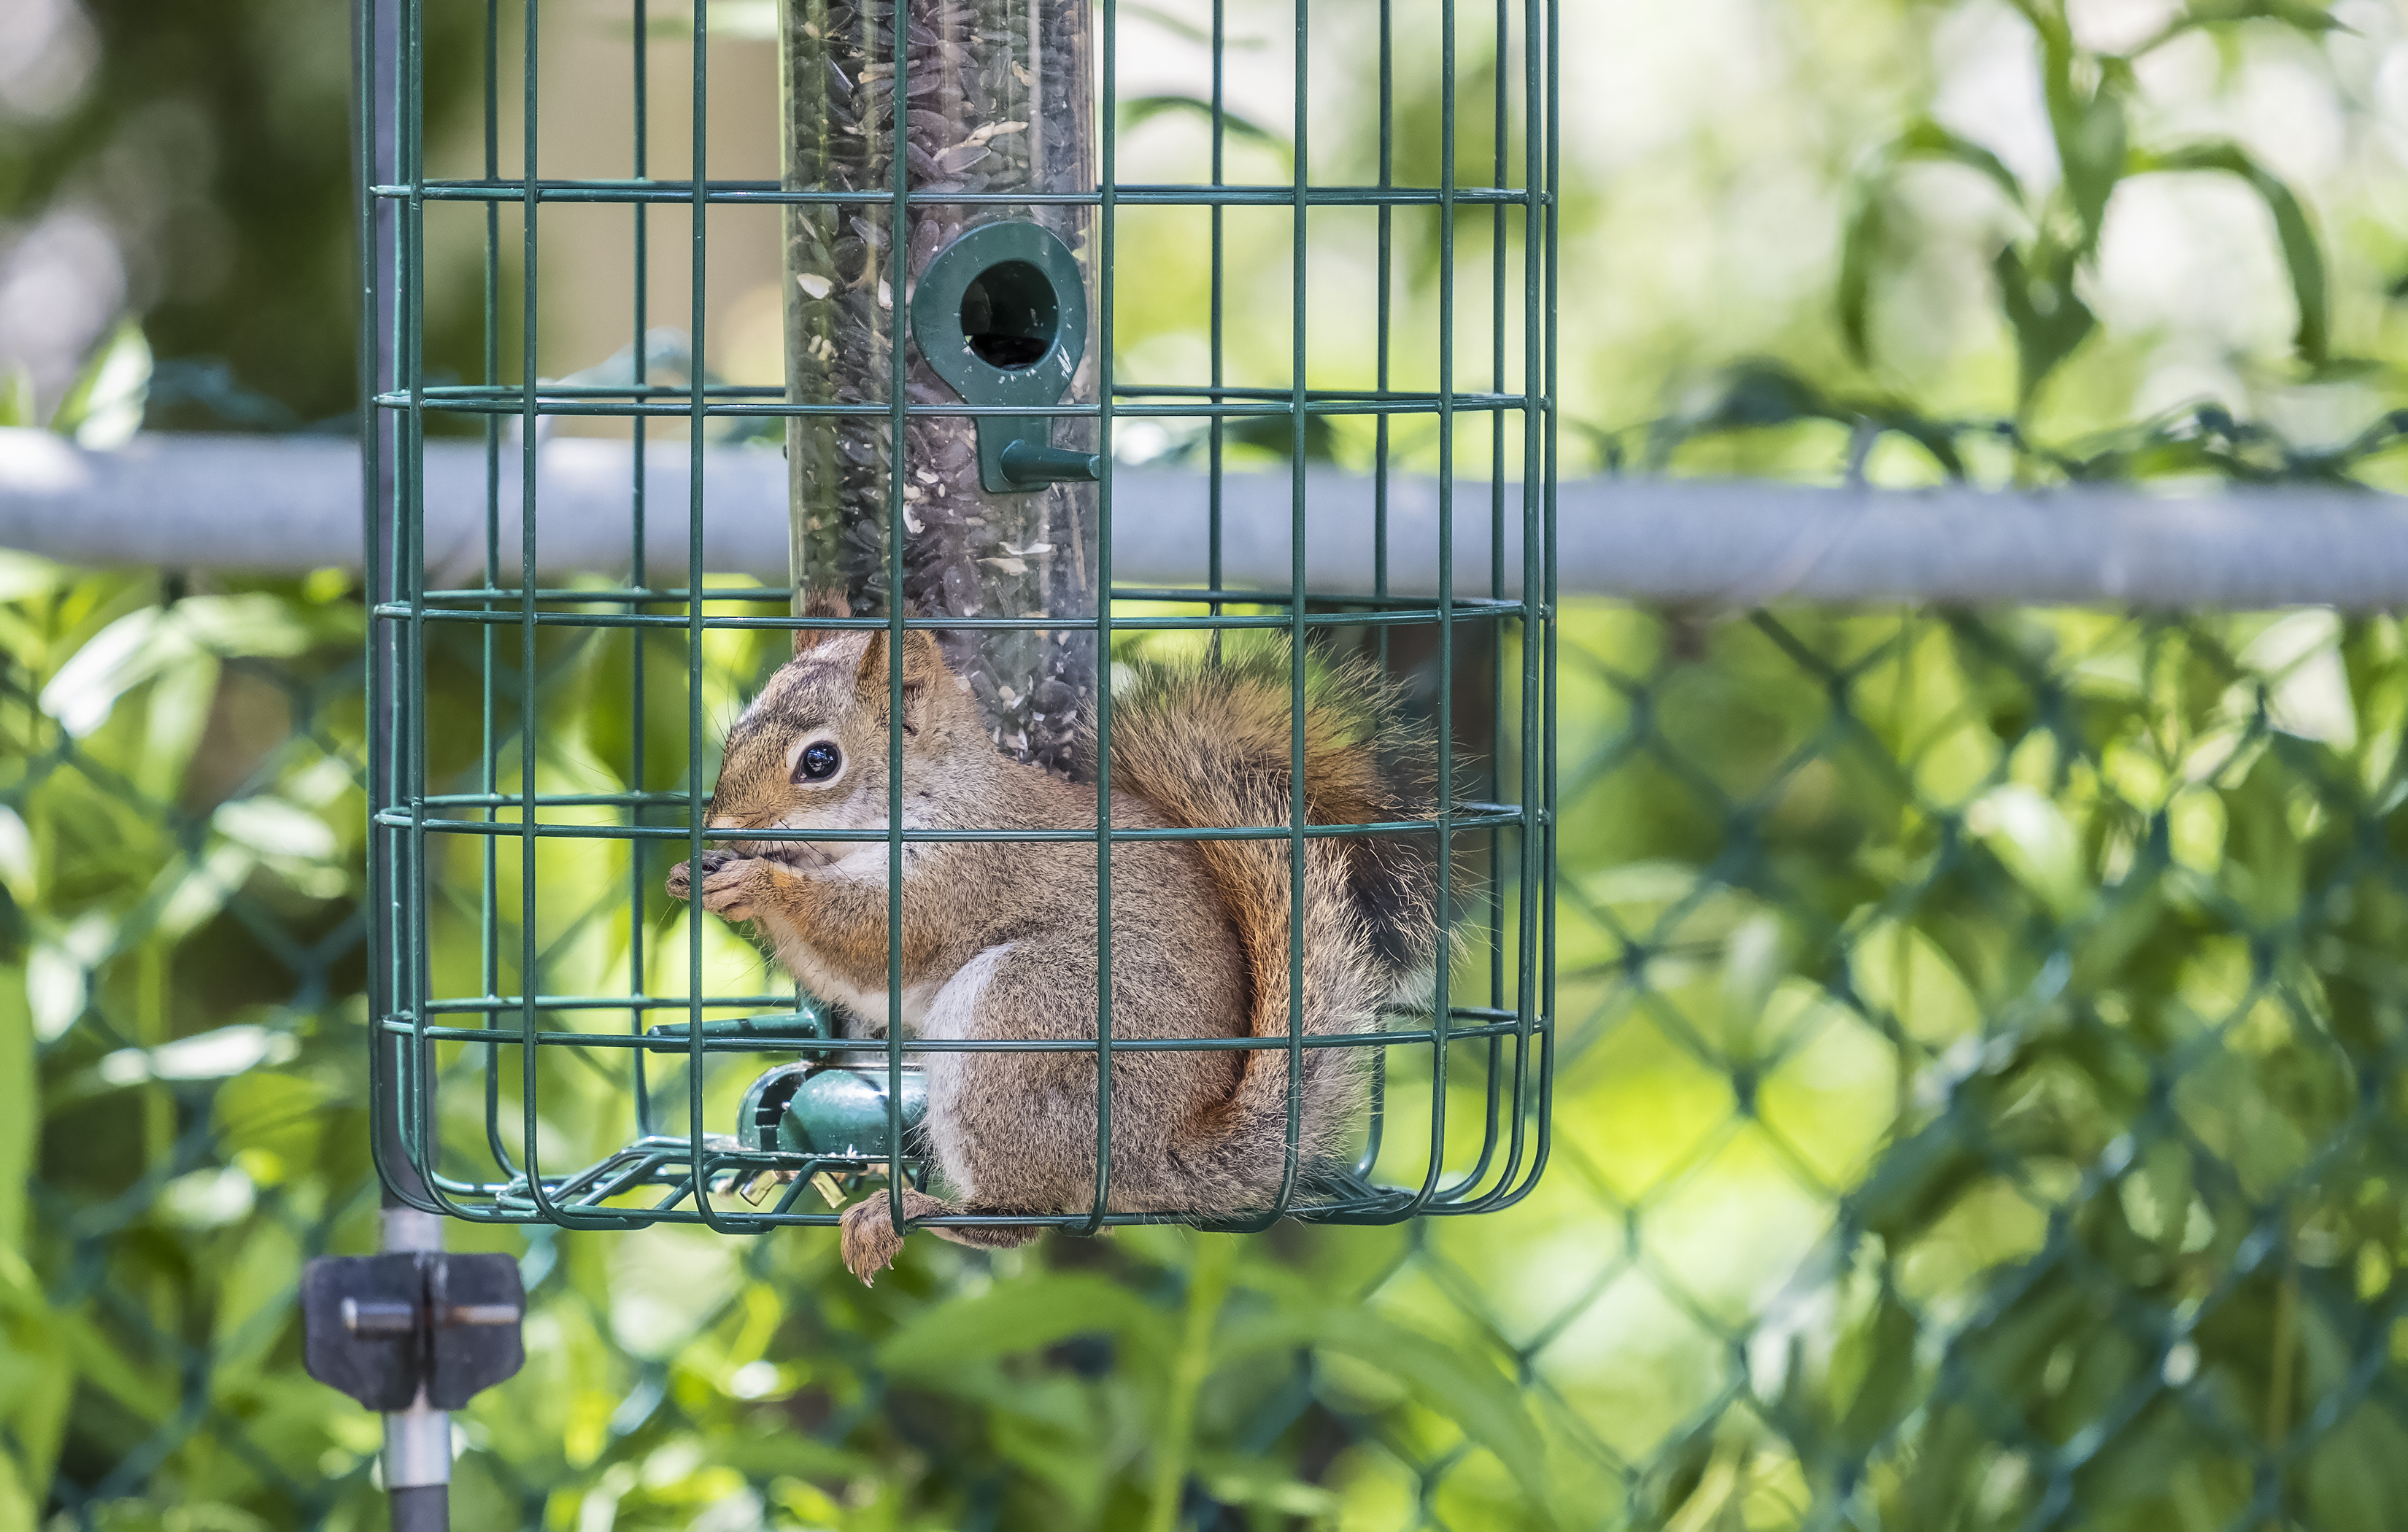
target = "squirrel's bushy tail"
x: 1210, y: 743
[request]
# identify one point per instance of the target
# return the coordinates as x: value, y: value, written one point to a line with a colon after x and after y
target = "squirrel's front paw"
x: 870, y: 1243
x: 681, y: 884
x: 734, y: 889
x: 733, y: 886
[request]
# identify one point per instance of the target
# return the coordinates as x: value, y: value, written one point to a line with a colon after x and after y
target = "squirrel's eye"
x: 819, y: 760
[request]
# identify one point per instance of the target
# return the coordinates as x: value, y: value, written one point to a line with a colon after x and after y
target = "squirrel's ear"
x: 826, y: 601
x: 922, y: 663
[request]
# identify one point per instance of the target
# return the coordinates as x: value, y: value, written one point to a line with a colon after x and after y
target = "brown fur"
x: 998, y: 940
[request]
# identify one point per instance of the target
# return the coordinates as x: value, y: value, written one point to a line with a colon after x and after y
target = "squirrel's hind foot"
x: 871, y: 1242
x: 870, y: 1239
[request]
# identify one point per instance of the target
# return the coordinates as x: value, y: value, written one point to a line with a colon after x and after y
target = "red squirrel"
x: 1000, y: 939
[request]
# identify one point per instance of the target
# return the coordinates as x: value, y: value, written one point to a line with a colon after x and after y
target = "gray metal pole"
x: 417, y: 1442
x: 285, y: 506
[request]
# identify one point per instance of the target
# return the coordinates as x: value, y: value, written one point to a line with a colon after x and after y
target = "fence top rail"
x: 290, y: 505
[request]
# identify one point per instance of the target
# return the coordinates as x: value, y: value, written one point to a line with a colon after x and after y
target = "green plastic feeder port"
x: 827, y: 1110
x: 822, y: 1110
x: 1001, y: 315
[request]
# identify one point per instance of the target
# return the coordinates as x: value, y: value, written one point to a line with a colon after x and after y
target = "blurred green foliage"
x: 2006, y: 242
x: 211, y: 139
x: 1980, y: 1107
x: 1980, y: 1099
x: 2089, y: 93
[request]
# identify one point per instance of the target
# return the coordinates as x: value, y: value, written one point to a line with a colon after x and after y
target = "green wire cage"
x: 558, y: 1041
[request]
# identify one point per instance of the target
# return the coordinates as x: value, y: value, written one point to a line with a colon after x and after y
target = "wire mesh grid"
x: 876, y: 451
x: 1979, y: 1106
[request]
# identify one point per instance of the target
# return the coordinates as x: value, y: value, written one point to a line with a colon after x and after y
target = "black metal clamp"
x: 415, y: 1334
x: 381, y: 1327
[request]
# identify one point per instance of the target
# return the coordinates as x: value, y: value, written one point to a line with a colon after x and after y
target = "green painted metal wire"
x: 518, y: 1182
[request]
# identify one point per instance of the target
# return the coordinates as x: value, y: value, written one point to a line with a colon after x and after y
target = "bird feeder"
x: 949, y: 210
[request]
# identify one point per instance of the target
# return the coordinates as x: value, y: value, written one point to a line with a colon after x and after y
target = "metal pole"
x: 270, y: 504
x: 418, y: 1441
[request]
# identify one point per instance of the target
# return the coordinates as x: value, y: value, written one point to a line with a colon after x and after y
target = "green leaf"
x: 1929, y: 140
x: 1917, y: 1181
x: 2029, y: 833
x: 2092, y: 153
x: 2048, y: 319
x: 2301, y: 255
x: 1480, y: 1400
x: 257, y: 1284
x: 37, y: 1381
x: 2355, y: 1471
x: 1012, y: 1317
x: 17, y: 403
x: 20, y: 1110
x: 1758, y: 393
x: 1043, y: 1443
x: 266, y: 1111
x: 1859, y: 242
x: 1885, y: 1391
x: 2088, y: 124
x: 103, y: 407
x: 2301, y: 15
x: 147, y: 642
x: 1136, y: 111
x: 1929, y: 436
x: 1247, y: 1481
x: 173, y: 716
x: 1867, y: 220
x: 26, y: 575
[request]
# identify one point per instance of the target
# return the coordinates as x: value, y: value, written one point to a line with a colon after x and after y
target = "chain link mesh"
x: 1980, y: 1107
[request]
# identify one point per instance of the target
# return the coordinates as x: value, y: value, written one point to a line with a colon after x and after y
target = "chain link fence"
x: 1979, y: 1107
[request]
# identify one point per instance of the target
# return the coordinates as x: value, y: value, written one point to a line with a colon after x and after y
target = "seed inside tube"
x: 998, y: 102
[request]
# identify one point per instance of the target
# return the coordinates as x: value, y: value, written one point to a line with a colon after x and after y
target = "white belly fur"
x: 869, y: 1006
x: 953, y: 1013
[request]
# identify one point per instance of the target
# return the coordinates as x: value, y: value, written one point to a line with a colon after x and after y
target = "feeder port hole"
x: 1010, y: 315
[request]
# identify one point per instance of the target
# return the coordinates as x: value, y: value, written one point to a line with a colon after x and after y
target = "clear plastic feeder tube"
x: 999, y: 99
